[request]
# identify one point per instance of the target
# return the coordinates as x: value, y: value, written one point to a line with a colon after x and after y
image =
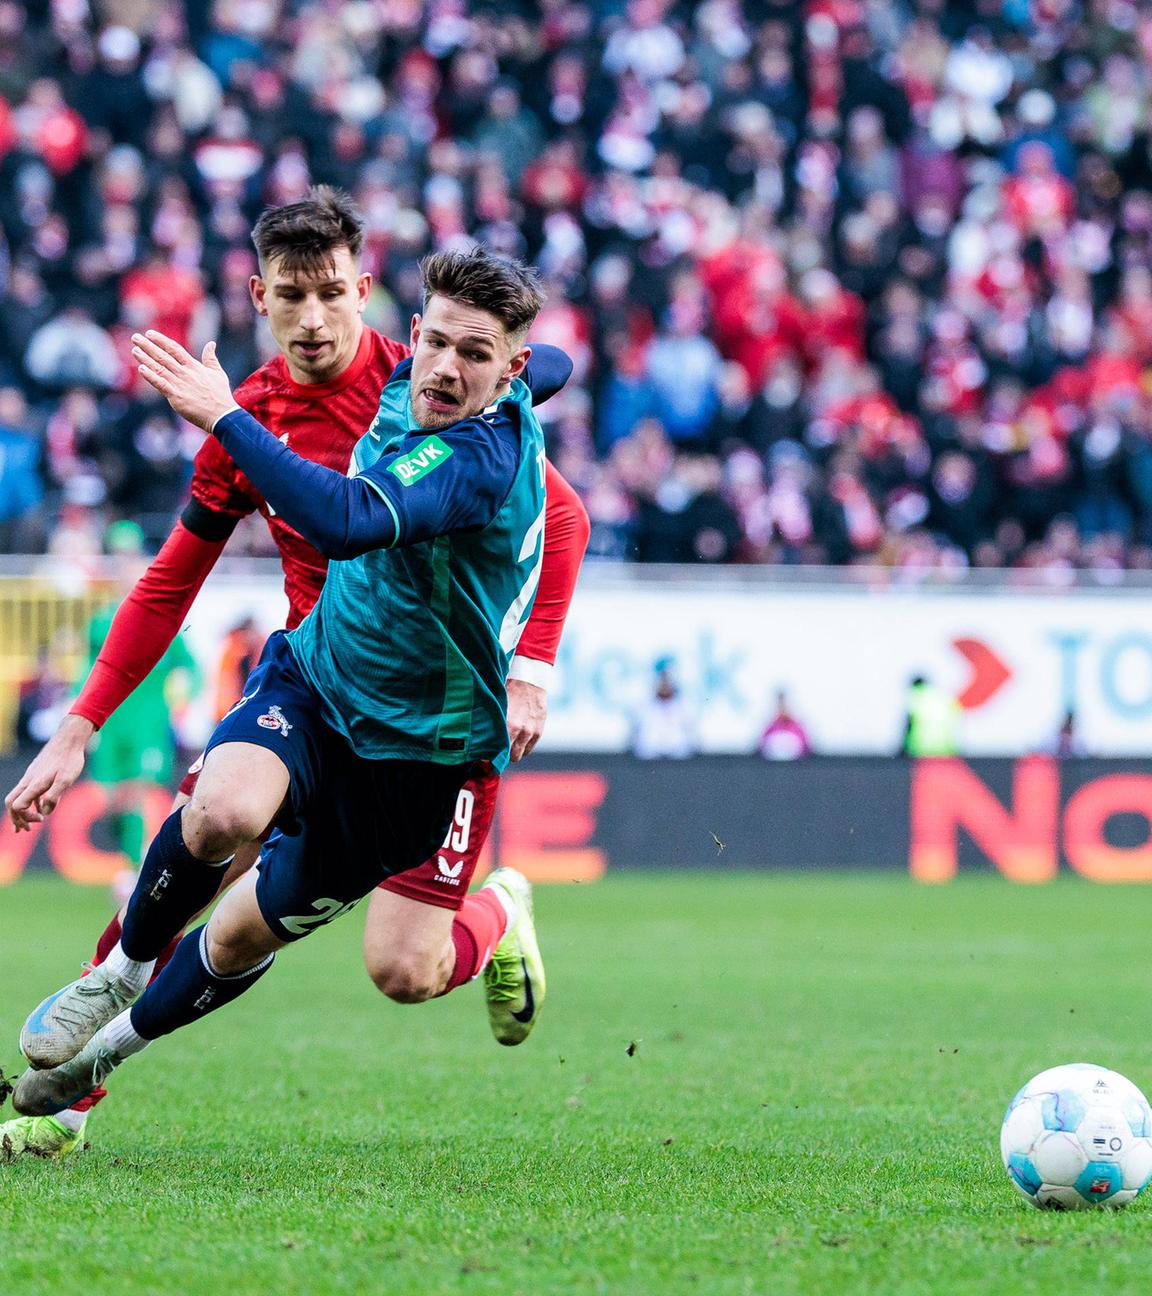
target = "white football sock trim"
x: 121, y: 1037
x: 236, y: 976
x: 132, y: 972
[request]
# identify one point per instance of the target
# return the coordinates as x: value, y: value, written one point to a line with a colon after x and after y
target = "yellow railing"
x: 37, y: 616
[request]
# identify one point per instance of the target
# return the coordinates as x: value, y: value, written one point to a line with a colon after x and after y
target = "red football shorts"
x: 443, y: 880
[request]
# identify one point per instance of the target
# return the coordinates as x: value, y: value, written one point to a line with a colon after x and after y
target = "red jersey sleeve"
x: 219, y: 485
x: 147, y: 622
x: 566, y: 531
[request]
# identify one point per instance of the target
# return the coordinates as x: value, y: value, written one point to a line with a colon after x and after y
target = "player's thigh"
x: 238, y: 936
x: 443, y: 879
x: 404, y: 935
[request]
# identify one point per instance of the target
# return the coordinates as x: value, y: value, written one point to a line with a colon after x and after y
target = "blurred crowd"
x: 844, y: 280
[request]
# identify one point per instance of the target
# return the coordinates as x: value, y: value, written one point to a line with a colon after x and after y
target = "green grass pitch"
x: 741, y: 1084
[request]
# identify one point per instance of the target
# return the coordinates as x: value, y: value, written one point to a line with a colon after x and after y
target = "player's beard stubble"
x: 431, y: 419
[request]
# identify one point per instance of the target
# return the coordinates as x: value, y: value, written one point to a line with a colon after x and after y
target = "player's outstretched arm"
x: 339, y: 516
x: 566, y: 531
x: 144, y: 626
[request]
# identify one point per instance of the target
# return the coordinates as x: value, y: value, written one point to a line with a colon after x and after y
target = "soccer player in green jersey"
x: 358, y: 728
x: 136, y: 748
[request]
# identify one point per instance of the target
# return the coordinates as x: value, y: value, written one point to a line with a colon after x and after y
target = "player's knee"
x: 217, y: 828
x: 232, y: 951
x: 405, y: 981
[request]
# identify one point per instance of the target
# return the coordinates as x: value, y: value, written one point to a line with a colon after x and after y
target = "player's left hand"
x: 198, y: 390
x: 527, y: 711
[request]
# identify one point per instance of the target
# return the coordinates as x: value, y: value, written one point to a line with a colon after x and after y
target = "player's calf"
x: 407, y: 947
x: 237, y: 939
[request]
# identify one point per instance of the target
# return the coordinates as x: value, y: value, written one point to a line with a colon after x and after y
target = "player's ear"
x: 257, y: 289
x: 363, y: 291
x: 516, y: 363
x: 414, y: 332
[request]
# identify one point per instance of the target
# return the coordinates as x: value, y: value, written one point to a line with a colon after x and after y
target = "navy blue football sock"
x: 188, y: 989
x: 172, y: 888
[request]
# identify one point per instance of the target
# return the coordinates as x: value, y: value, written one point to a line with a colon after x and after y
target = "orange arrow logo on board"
x: 989, y: 673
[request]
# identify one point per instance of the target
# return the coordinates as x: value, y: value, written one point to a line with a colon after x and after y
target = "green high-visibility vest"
x: 933, y: 717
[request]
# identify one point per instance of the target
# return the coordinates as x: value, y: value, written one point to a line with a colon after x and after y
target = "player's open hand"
x: 527, y: 711
x: 198, y: 390
x: 51, y: 774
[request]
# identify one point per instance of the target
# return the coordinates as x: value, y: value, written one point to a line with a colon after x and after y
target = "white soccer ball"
x: 1078, y: 1136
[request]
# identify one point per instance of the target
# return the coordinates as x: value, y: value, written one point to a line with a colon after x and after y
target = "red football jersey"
x: 319, y: 421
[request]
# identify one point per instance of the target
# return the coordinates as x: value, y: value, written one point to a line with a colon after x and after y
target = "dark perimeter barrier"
x: 572, y: 818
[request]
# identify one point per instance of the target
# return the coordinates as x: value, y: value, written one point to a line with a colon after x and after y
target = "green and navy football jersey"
x: 408, y: 646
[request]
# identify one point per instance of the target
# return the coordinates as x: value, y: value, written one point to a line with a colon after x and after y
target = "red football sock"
x: 86, y: 1104
x: 476, y: 932
x: 165, y: 957
x: 104, y: 947
x: 108, y: 940
x: 111, y: 936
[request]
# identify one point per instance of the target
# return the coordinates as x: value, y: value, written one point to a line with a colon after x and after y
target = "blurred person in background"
x: 42, y: 698
x: 1067, y: 742
x: 21, y: 485
x: 135, y: 750
x: 664, y: 726
x: 932, y: 723
x: 784, y: 737
x: 238, y: 656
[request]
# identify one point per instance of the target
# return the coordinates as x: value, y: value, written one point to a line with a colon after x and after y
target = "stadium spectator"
x: 42, y: 699
x: 21, y: 485
x: 1067, y: 741
x: 236, y: 660
x: 784, y: 737
x: 906, y: 241
x: 664, y: 727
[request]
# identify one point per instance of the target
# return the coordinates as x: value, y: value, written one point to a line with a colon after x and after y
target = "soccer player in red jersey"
x: 319, y: 395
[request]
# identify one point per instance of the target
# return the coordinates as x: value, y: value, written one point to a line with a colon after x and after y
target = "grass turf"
x: 743, y: 1084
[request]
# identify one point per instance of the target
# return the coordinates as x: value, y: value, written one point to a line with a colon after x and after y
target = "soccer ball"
x: 1078, y: 1136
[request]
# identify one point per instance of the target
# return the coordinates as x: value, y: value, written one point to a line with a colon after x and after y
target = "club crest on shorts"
x: 274, y: 718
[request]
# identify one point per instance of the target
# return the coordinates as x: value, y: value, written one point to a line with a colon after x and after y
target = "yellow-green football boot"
x: 514, y: 983
x: 38, y: 1136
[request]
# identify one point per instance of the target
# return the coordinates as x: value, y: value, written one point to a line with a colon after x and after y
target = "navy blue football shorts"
x: 347, y: 822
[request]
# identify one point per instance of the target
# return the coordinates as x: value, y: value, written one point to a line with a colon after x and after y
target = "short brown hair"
x: 508, y: 289
x: 303, y: 236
